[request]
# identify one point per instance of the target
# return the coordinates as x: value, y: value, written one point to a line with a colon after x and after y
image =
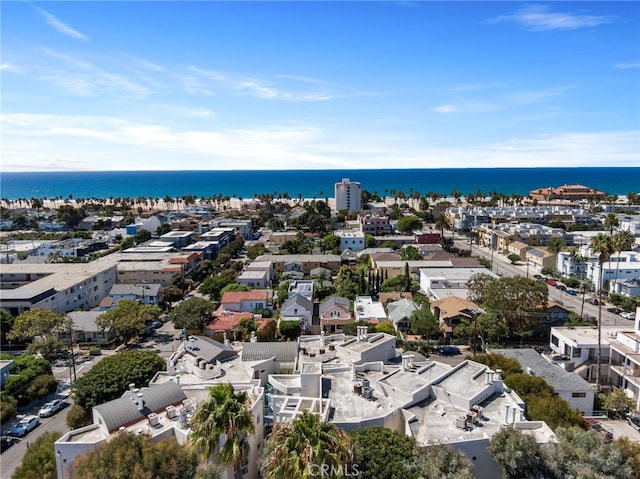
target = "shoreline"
x: 240, y: 204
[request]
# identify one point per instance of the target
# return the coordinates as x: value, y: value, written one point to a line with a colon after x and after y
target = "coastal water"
x: 308, y: 183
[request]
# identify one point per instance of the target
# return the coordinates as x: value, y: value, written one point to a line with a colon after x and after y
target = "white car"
x: 50, y: 408
x: 628, y: 315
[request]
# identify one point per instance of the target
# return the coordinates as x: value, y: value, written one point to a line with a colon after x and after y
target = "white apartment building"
x: 348, y: 195
x: 353, y: 240
x: 621, y: 267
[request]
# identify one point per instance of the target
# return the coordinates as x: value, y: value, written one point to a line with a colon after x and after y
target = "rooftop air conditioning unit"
x: 153, y: 419
x: 171, y: 412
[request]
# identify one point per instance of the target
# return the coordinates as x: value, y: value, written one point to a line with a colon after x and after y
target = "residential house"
x: 624, y: 361
x: 307, y: 262
x: 567, y: 385
x: 141, y: 293
x: 399, y: 313
x: 85, y: 329
x: 298, y: 308
x: 245, y: 301
x: 374, y: 224
x: 335, y: 313
x: 452, y: 310
x: 227, y: 322
x: 368, y: 310
x: 301, y: 288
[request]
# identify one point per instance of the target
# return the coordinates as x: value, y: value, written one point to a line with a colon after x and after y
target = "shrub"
x: 78, y: 417
x: 95, y: 352
x: 290, y: 329
x: 8, y: 407
x: 41, y: 387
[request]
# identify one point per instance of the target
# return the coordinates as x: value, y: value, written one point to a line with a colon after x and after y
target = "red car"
x: 551, y: 282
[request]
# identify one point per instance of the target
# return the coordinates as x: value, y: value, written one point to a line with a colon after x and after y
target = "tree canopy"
x: 192, y: 313
x: 128, y: 318
x: 111, y: 376
x: 137, y: 456
x: 43, y: 326
x: 409, y: 223
x: 423, y: 322
x: 39, y: 460
x: 518, y: 301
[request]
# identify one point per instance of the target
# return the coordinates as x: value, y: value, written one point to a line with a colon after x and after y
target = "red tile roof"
x: 238, y: 296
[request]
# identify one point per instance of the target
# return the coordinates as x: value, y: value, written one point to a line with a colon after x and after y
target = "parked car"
x: 592, y: 301
x: 156, y: 324
x: 537, y: 276
x: 597, y: 428
x: 634, y: 421
x: 552, y: 282
x: 561, y: 287
x: 51, y: 408
x: 25, y: 426
x: 572, y: 292
x: 614, y: 310
x: 449, y: 351
x: 628, y: 315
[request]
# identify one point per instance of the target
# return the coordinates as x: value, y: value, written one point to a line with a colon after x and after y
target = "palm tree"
x: 443, y: 222
x: 610, y: 222
x: 223, y: 417
x: 602, y: 245
x: 293, y: 449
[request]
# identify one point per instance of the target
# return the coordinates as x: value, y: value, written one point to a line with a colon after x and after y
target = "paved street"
x: 503, y: 267
x: 164, y: 341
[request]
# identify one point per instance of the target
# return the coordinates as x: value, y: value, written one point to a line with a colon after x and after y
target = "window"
x: 554, y: 340
x: 578, y: 395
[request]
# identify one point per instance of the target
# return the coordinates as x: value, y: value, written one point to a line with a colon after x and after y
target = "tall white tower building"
x: 348, y: 195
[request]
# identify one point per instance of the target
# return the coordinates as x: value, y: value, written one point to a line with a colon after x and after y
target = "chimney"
x: 178, y: 379
x: 253, y: 339
x: 131, y: 388
x: 322, y: 339
x: 140, y: 402
x: 514, y: 412
x: 225, y: 339
x: 410, y: 361
x: 506, y: 414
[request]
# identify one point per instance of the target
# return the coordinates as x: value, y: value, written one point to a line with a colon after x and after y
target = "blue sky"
x: 158, y: 85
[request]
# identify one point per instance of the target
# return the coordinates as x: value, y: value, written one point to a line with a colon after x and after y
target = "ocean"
x: 308, y: 183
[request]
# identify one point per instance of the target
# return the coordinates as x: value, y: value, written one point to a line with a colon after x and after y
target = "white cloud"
x: 445, y: 109
x: 60, y: 26
x: 626, y: 65
x: 99, y: 143
x: 539, y: 18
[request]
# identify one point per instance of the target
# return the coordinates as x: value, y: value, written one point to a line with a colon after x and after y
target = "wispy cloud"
x: 87, y: 79
x: 266, y: 89
x: 540, y: 18
x: 626, y: 65
x: 445, y: 109
x: 60, y: 26
x: 529, y: 97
